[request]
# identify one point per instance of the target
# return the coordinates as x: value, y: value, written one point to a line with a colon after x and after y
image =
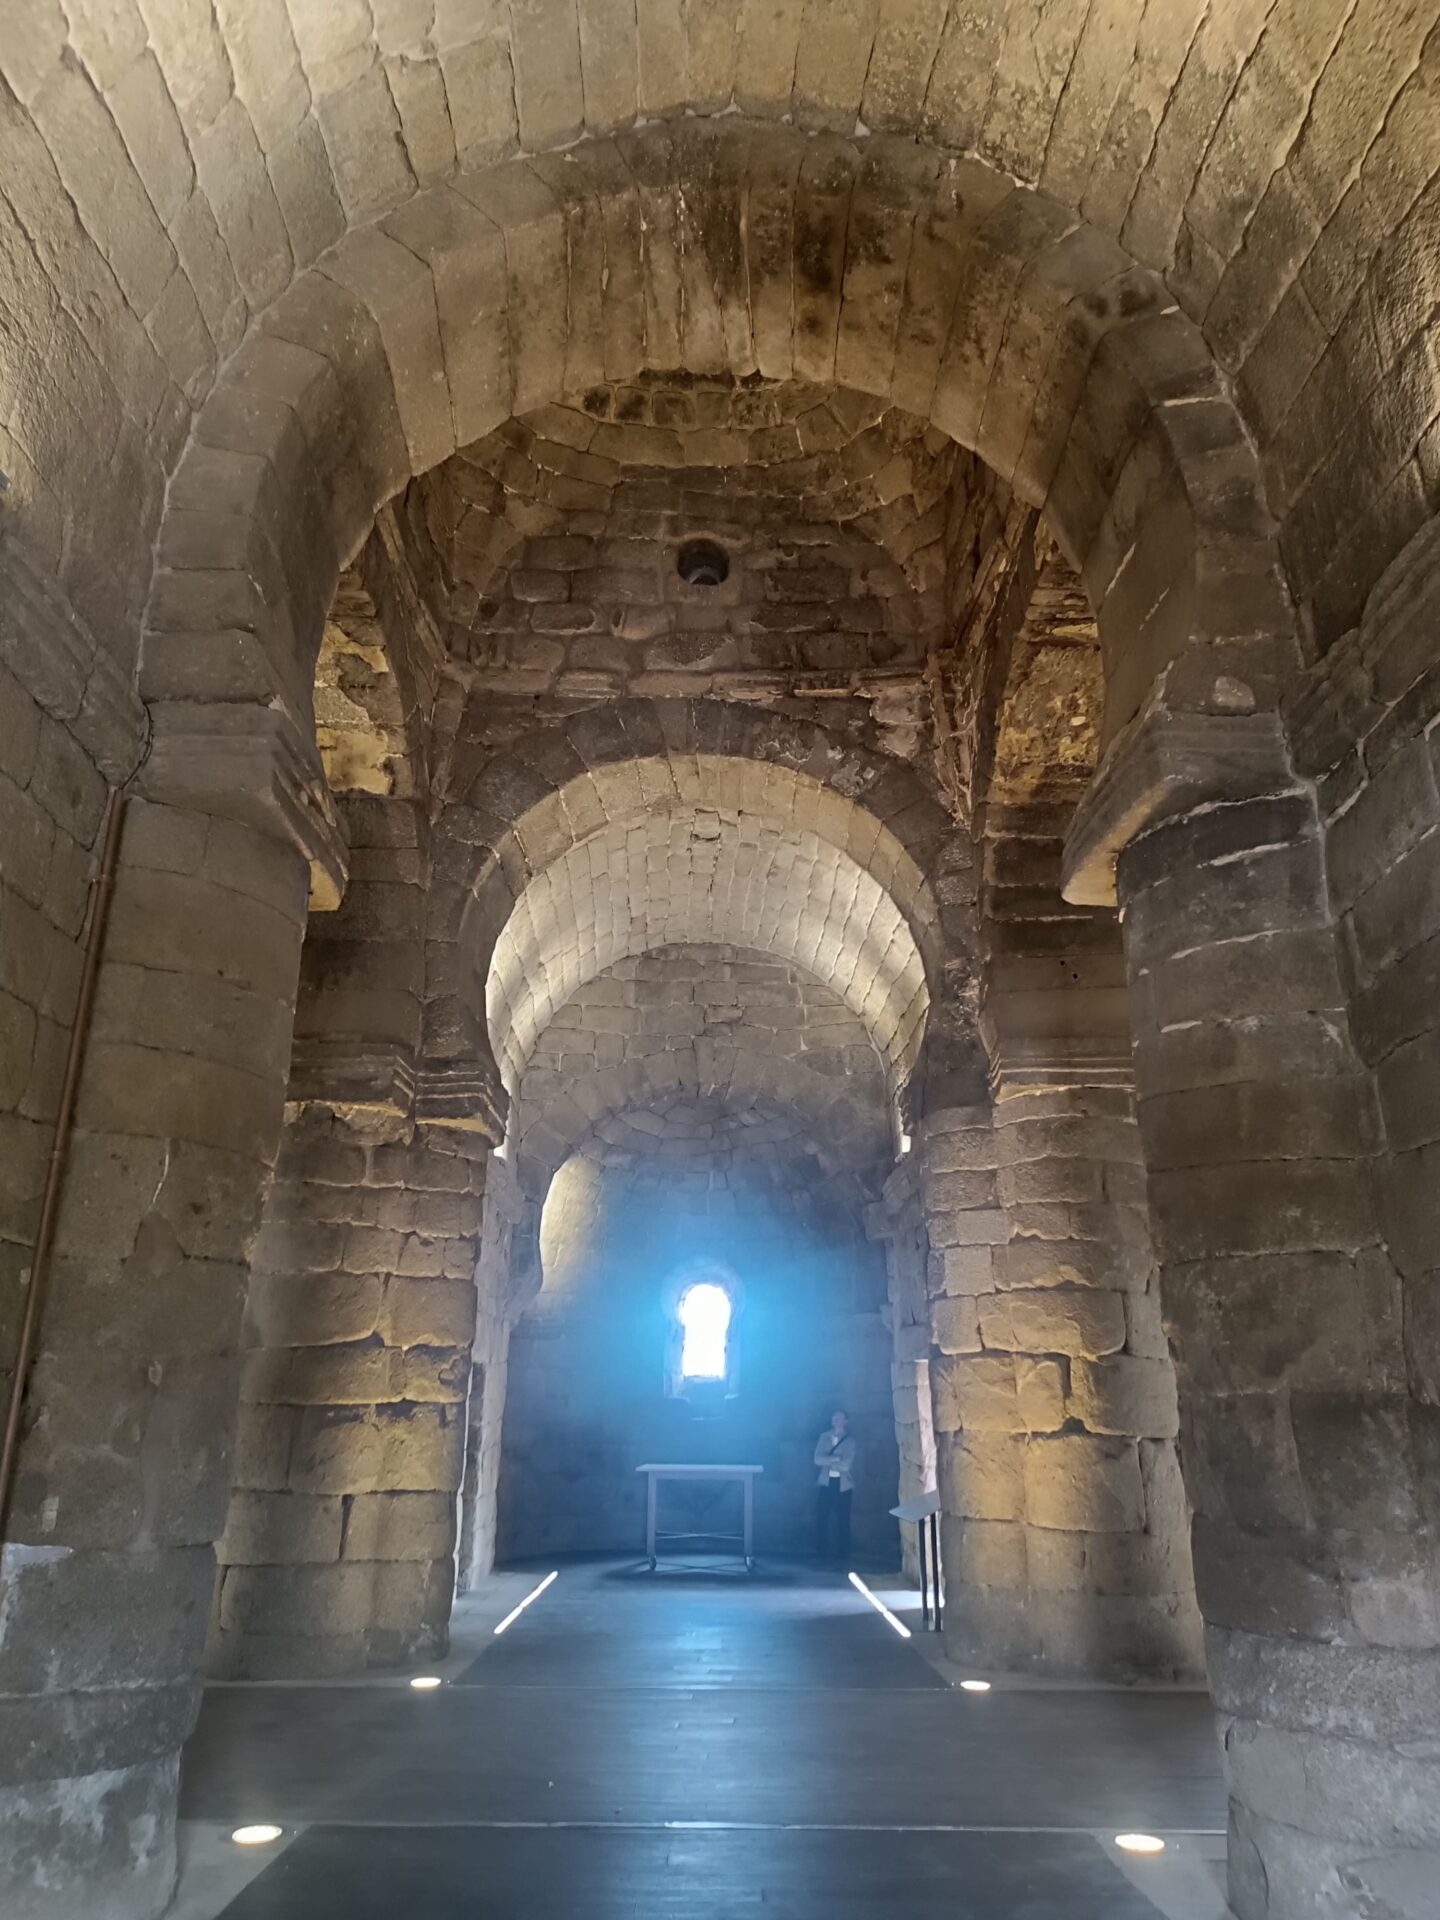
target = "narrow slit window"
x: 704, y: 1316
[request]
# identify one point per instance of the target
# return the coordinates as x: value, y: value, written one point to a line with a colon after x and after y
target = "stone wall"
x: 557, y: 540
x: 719, y: 1010
x: 724, y: 1106
x: 590, y: 1360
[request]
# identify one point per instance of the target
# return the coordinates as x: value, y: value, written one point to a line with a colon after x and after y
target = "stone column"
x: 507, y: 1276
x: 1310, y: 1473
x: 978, y: 1464
x: 338, y: 1553
x: 1063, y: 1515
x: 899, y: 1223
x: 125, y: 1469
x: 1107, y: 1586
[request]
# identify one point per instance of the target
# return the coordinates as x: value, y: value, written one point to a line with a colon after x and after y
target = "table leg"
x: 650, y: 1519
x: 749, y: 1480
x: 935, y: 1564
x: 924, y: 1578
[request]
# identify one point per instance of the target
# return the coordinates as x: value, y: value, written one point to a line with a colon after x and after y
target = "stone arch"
x: 835, y: 1127
x: 1274, y: 209
x: 983, y: 306
x: 519, y: 814
x: 1305, y: 352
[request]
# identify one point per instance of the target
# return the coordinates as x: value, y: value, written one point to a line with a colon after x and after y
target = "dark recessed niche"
x: 701, y: 563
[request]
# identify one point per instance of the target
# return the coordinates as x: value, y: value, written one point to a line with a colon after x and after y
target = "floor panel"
x: 705, y: 1747
x: 333, y: 1874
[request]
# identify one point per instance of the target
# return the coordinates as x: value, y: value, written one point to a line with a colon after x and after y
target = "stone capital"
x: 1059, y: 1060
x: 352, y: 1075
x: 1167, y: 763
x: 465, y: 1095
x: 251, y: 764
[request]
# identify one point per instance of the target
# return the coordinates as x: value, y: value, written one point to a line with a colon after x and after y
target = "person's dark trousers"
x: 832, y: 1522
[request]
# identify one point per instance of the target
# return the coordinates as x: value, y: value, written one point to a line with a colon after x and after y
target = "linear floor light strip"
x: 880, y: 1606
x: 516, y: 1612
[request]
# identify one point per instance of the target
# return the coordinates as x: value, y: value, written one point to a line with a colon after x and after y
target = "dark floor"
x: 672, y: 1745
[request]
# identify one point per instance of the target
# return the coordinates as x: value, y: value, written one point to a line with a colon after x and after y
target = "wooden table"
x: 656, y: 1471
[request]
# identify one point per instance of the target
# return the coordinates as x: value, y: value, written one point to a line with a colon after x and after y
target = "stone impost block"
x: 1165, y: 765
x: 1056, y: 1320
x: 249, y: 763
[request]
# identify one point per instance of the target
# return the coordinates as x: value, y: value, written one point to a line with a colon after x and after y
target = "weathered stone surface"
x: 1083, y: 1485
x: 1055, y: 1320
x: 1124, y: 1394
x: 1196, y: 352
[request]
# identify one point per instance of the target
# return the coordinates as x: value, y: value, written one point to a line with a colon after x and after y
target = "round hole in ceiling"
x: 702, y: 563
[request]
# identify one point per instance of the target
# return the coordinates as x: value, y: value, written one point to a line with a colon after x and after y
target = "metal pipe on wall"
x: 30, y: 1320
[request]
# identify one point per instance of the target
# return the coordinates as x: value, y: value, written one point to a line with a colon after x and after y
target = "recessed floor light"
x: 1139, y: 1843
x: 515, y: 1612
x: 258, y: 1836
x: 426, y: 1682
x: 880, y: 1607
x: 975, y: 1686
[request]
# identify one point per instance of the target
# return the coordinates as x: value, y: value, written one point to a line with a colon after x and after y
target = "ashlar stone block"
x: 1055, y: 1320
x: 1083, y: 1485
x: 1125, y: 1395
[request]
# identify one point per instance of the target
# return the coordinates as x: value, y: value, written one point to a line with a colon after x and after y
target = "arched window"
x: 704, y: 1314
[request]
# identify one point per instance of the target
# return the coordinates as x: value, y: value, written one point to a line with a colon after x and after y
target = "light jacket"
x: 832, y: 1455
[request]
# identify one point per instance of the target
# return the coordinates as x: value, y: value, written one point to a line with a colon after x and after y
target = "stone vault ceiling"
x: 713, y: 874
x: 550, y: 547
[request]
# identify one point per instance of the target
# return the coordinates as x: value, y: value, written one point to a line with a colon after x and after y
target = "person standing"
x: 835, y: 1458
